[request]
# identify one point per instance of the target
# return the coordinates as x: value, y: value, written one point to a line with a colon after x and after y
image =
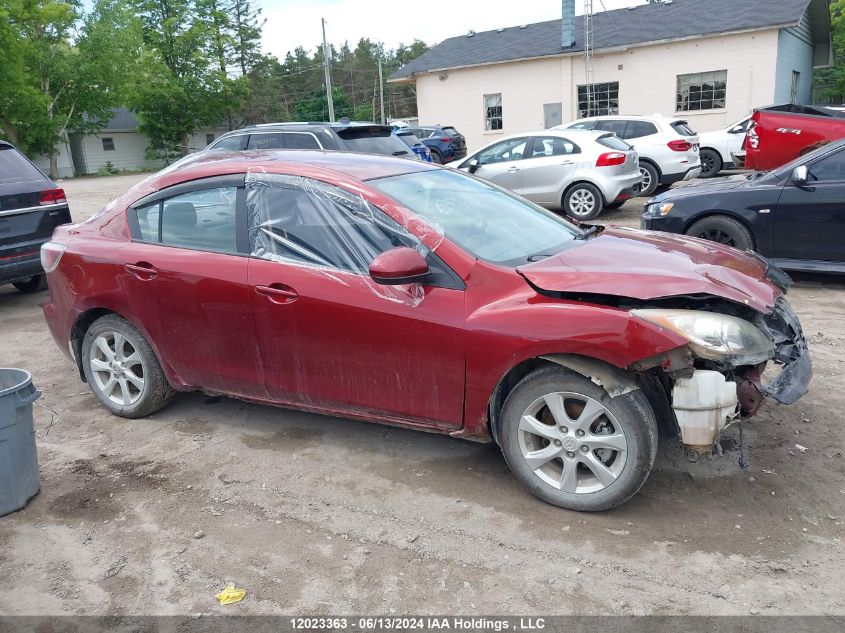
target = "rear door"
x: 810, y: 220
x: 30, y: 206
x: 187, y: 269
x: 549, y: 166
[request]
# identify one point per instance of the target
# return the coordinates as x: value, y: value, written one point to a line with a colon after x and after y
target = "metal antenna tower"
x: 589, y: 73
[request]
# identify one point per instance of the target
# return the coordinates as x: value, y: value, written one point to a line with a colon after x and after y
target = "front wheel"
x: 583, y: 201
x: 711, y: 163
x: 122, y: 369
x: 572, y: 445
x: 724, y: 230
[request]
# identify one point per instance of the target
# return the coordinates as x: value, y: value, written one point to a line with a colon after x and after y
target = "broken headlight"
x: 714, y: 336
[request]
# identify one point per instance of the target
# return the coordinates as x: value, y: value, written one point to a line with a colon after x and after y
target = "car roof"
x: 627, y: 117
x: 560, y: 132
x: 333, y: 164
x: 305, y: 125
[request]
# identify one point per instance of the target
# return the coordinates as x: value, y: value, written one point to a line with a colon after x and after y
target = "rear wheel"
x: 122, y: 369
x: 436, y: 157
x: 572, y: 445
x: 33, y: 284
x: 724, y: 230
x: 651, y: 179
x: 583, y: 201
x: 711, y: 163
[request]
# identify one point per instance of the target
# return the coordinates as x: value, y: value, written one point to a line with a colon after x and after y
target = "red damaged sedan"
x: 410, y: 294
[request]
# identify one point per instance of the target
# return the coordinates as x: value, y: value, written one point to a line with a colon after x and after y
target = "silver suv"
x: 580, y: 171
x: 667, y: 147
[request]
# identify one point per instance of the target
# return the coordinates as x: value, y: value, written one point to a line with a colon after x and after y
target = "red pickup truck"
x: 778, y: 134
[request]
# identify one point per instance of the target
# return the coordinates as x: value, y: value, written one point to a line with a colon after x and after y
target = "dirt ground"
x: 315, y: 515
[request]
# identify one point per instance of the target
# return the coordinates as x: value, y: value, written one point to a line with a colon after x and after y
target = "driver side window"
x: 512, y: 149
x: 314, y: 223
x: 829, y: 169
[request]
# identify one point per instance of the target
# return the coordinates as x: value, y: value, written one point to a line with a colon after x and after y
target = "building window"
x: 598, y: 99
x: 108, y: 144
x: 493, y: 112
x: 796, y: 80
x: 701, y: 91
x: 209, y: 139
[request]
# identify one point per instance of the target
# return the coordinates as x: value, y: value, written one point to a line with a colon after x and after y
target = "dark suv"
x: 349, y: 136
x: 31, y: 206
x: 444, y: 141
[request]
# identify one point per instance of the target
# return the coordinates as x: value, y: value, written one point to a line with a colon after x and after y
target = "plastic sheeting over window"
x: 307, y: 222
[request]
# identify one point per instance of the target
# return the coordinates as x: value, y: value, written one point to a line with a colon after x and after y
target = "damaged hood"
x: 648, y: 265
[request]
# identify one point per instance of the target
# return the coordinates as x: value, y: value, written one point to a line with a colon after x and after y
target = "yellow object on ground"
x: 230, y: 594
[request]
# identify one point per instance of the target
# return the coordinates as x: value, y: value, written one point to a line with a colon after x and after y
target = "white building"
x: 708, y: 61
x: 119, y: 146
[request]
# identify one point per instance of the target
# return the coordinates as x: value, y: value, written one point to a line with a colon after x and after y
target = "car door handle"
x: 568, y: 162
x: 142, y: 270
x: 513, y: 170
x: 278, y: 293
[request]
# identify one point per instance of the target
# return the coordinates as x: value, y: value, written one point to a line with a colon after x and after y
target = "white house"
x: 708, y: 61
x: 119, y: 144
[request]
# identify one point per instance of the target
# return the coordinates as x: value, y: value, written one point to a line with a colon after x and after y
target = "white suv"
x: 668, y: 148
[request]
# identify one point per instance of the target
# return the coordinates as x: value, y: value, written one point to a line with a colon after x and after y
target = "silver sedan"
x: 580, y: 171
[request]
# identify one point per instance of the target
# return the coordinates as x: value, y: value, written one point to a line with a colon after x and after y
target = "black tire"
x: 583, y: 201
x: 631, y: 412
x: 651, y: 179
x: 156, y: 392
x: 33, y: 284
x: 711, y: 163
x: 724, y: 230
x: 436, y: 157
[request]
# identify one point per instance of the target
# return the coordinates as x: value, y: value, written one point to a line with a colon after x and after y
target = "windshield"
x: 488, y: 222
x: 373, y: 140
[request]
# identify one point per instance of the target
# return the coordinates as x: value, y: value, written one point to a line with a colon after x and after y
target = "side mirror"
x: 799, y: 175
x: 398, y: 266
x: 473, y: 166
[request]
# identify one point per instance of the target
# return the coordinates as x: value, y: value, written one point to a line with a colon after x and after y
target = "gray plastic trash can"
x: 18, y: 458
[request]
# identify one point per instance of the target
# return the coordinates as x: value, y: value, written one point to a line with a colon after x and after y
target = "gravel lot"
x: 315, y: 514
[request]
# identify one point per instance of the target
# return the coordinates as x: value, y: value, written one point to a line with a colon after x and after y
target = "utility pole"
x: 328, y: 73
x: 381, y: 93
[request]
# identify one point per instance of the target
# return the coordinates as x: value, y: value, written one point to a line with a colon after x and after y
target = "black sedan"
x: 31, y: 206
x: 794, y: 215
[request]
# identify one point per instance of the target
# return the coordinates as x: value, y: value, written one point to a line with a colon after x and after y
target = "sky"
x: 292, y: 23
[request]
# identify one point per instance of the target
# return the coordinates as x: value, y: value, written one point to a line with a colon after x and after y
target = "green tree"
x: 179, y: 87
x: 61, y: 70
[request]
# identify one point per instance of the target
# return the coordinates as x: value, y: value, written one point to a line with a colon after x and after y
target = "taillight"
x: 751, y: 136
x: 610, y: 159
x: 679, y: 145
x: 52, y: 196
x: 51, y: 255
x: 446, y: 139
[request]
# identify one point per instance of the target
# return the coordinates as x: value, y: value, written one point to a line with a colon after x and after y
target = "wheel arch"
x: 615, y: 380
x: 87, y: 318
x: 654, y: 164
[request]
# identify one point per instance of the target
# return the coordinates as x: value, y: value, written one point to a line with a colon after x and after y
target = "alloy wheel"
x: 572, y: 442
x: 708, y: 163
x: 646, y: 183
x: 582, y: 202
x: 718, y: 235
x: 117, y: 368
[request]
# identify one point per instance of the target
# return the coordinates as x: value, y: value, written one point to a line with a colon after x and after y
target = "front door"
x: 187, y: 276
x: 329, y: 337
x: 502, y: 163
x: 810, y: 219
